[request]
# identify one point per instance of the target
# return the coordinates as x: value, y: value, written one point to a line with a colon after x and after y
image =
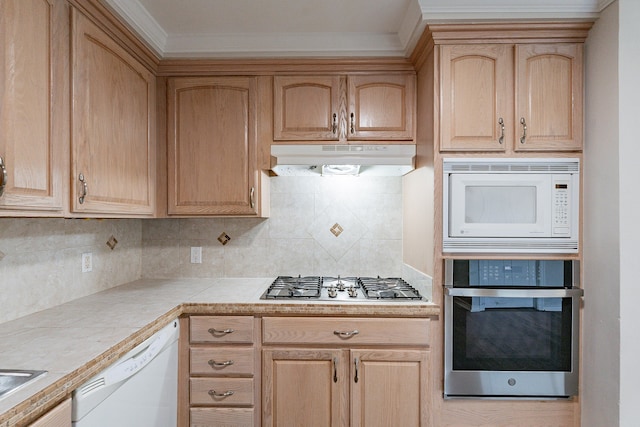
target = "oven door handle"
x: 514, y: 293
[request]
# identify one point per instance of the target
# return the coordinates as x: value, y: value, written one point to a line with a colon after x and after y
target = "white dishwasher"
x: 138, y: 390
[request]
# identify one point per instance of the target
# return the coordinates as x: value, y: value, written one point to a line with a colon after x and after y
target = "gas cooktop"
x: 341, y: 289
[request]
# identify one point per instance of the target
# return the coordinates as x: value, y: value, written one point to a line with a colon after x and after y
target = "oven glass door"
x: 516, y: 333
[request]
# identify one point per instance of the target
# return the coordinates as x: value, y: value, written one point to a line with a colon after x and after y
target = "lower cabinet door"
x: 305, y: 387
x: 221, y: 417
x: 389, y: 388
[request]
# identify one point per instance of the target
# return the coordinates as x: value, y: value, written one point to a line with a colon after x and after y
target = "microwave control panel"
x: 561, y: 206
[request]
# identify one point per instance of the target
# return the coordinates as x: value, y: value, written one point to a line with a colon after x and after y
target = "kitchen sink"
x: 12, y: 379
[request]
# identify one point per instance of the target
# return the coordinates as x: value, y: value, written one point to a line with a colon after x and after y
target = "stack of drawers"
x: 222, y: 368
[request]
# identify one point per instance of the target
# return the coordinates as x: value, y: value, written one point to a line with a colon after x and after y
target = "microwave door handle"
x: 514, y: 293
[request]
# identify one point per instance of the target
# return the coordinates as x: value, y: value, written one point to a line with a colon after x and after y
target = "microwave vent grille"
x: 516, y: 166
x: 513, y: 245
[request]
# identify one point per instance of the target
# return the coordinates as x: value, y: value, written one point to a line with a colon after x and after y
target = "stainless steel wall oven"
x: 511, y: 328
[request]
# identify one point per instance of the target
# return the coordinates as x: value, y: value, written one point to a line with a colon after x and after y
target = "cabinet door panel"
x: 381, y: 107
x: 306, y: 107
x: 113, y: 122
x: 477, y: 87
x: 212, y: 146
x: 549, y: 96
x: 391, y: 388
x: 32, y: 104
x: 304, y: 388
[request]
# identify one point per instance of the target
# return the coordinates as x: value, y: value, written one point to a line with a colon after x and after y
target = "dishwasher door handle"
x: 133, y: 365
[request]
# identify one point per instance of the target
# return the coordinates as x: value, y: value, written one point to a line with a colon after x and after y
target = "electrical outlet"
x: 87, y: 262
x: 196, y: 255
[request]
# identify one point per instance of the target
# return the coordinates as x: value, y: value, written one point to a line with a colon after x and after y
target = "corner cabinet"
x: 212, y: 146
x: 356, y: 107
x: 33, y: 107
x: 345, y: 372
x: 113, y: 126
x: 481, y: 110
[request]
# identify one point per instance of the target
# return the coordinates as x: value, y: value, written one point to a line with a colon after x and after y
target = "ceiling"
x: 336, y: 28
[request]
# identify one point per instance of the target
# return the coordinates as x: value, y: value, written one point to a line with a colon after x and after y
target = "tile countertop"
x: 76, y: 340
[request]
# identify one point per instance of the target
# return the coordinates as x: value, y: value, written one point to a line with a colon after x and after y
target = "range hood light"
x: 371, y: 159
x: 352, y: 170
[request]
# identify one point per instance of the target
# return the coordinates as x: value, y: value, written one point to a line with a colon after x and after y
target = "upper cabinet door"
x: 477, y: 97
x: 381, y: 107
x: 549, y: 97
x: 113, y: 144
x: 306, y: 108
x: 212, y: 164
x: 33, y: 106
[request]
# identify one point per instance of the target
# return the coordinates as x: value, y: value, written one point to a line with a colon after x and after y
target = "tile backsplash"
x: 41, y: 261
x: 318, y: 226
x: 350, y: 226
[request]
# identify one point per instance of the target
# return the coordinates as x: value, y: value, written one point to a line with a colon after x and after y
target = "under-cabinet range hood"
x: 369, y: 159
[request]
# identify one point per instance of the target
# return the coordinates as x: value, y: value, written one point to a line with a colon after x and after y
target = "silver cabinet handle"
x: 214, y: 394
x: 514, y: 293
x: 335, y: 370
x: 355, y: 363
x: 84, y: 188
x: 252, y: 200
x: 353, y: 123
x: 523, y: 139
x: 215, y: 364
x: 214, y: 331
x: 346, y: 334
x: 334, y: 126
x: 3, y: 175
x: 501, y: 123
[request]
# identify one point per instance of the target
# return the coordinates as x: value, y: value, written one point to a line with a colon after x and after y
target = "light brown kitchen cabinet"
x: 481, y: 110
x: 222, y: 369
x: 113, y: 124
x: 305, y: 387
x: 60, y: 416
x: 306, y: 108
x: 367, y: 372
x: 212, y: 152
x: 344, y: 108
x: 33, y: 107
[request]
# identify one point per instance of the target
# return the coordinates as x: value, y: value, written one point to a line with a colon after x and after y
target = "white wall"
x: 610, y: 392
x: 629, y: 154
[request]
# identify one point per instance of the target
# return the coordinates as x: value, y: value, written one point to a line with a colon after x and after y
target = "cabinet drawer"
x: 216, y: 417
x: 383, y: 331
x: 221, y: 391
x: 225, y: 329
x: 222, y: 361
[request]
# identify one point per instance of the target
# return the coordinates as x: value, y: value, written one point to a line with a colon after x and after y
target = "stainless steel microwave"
x: 514, y: 205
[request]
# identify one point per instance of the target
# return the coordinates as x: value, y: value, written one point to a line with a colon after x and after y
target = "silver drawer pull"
x: 215, y: 364
x: 227, y: 393
x: 214, y: 331
x: 346, y: 334
x: 3, y: 176
x: 83, y: 181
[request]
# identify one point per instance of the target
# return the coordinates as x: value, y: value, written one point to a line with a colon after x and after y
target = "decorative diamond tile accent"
x: 224, y: 238
x: 334, y: 221
x: 112, y: 242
